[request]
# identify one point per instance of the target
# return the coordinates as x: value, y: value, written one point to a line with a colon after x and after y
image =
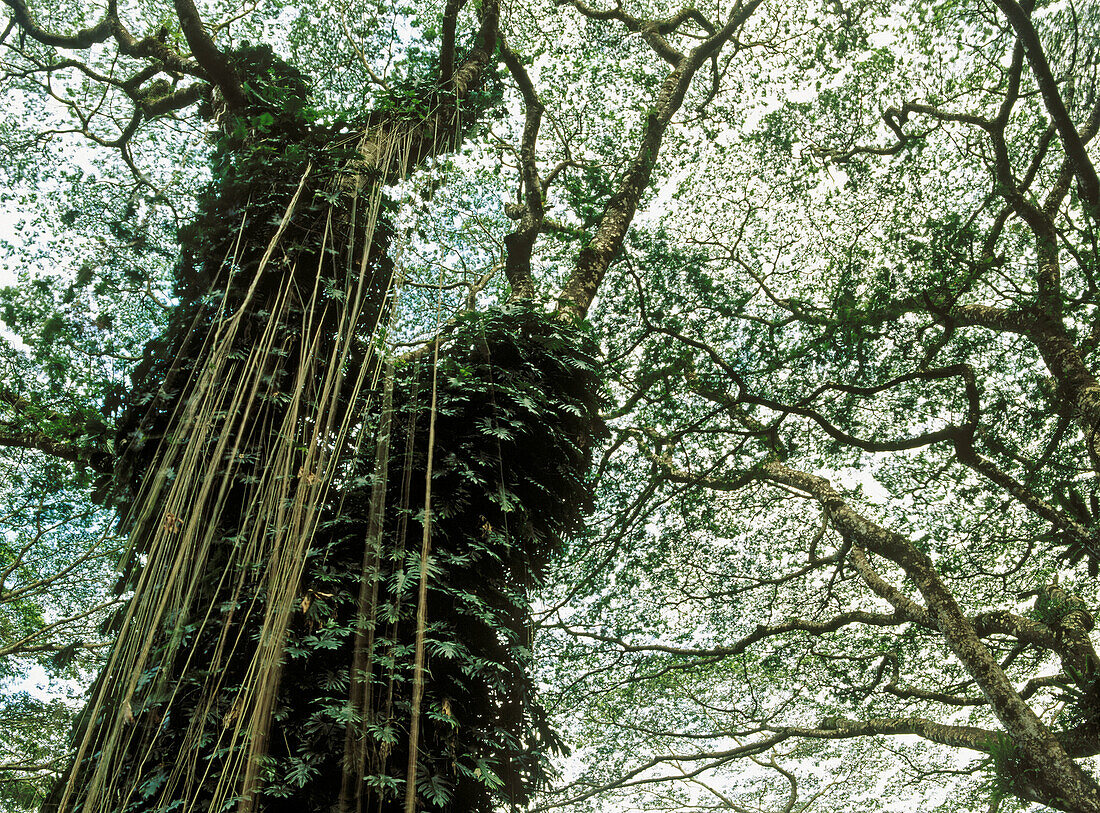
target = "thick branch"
x: 176, y: 100
x: 521, y: 242
x: 957, y: 736
x: 217, y: 67
x: 61, y: 449
x: 1087, y: 183
x: 85, y: 38
x: 593, y: 261
x: 469, y: 74
x: 447, y: 47
x: 1058, y: 775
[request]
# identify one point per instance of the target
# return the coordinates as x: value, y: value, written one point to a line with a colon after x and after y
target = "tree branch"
x: 216, y: 67
x: 595, y: 258
x: 1088, y: 184
x: 1058, y: 774
x: 521, y: 242
x: 80, y: 40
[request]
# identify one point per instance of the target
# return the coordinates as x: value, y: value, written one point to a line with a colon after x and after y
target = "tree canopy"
x: 840, y: 261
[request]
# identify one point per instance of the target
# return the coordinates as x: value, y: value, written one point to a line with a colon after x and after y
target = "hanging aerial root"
x: 362, y: 663
x: 287, y: 646
x: 422, y: 599
x: 516, y: 414
x: 230, y: 479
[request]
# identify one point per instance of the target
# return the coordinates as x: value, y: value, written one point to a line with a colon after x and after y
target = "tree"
x: 876, y: 274
x: 226, y: 541
x: 864, y: 396
x: 54, y: 592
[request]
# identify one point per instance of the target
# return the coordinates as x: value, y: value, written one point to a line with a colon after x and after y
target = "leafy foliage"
x: 515, y: 423
x: 851, y: 342
x: 515, y: 382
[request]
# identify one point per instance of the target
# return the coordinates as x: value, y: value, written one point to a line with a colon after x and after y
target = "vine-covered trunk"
x: 273, y: 482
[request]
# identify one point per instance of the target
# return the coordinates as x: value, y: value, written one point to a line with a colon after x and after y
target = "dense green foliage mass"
x: 515, y: 422
x: 266, y: 156
x: 516, y: 416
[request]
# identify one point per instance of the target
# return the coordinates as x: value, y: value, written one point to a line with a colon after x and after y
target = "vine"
x: 242, y: 481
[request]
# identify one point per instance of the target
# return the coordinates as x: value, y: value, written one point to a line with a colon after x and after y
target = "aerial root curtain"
x: 264, y: 661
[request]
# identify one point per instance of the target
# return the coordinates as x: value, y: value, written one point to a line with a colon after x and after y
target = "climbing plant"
x: 242, y: 478
x: 516, y: 416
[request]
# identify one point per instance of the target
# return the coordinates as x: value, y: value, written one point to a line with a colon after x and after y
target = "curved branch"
x: 594, y: 259
x: 520, y: 243
x: 711, y: 760
x: 176, y: 100
x: 761, y: 633
x: 901, y: 603
x: 215, y: 65
x: 80, y: 40
x: 1087, y: 182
